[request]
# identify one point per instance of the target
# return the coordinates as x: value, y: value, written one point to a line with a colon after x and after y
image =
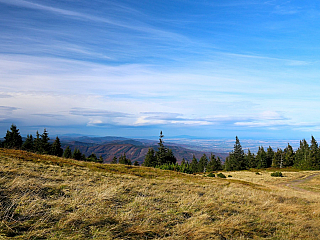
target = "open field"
x: 45, y: 197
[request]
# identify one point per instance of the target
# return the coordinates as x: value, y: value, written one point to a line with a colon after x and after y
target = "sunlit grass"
x: 45, y: 197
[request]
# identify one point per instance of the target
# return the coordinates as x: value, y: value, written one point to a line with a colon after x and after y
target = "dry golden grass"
x: 44, y: 197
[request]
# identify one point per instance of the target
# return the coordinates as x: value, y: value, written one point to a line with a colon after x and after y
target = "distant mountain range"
x: 135, y: 149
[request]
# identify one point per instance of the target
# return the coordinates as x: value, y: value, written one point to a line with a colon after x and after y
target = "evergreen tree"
x: 114, y: 160
x: 236, y: 160
x: 136, y: 163
x: 278, y: 157
x: 77, y: 155
x: 150, y: 159
x: 100, y: 159
x: 289, y: 157
x: 302, y: 155
x: 183, y: 162
x: 28, y: 145
x: 124, y: 160
x: 37, y: 143
x: 261, y: 158
x: 214, y: 164
x: 270, y: 154
x: 170, y: 158
x: 314, y: 158
x: 67, y: 153
x: 56, y: 148
x: 251, y: 160
x: 202, y: 164
x: 92, y: 158
x: 13, y: 138
x: 194, y: 164
x: 45, y: 145
x: 162, y: 151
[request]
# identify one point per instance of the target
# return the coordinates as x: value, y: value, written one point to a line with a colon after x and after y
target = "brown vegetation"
x: 46, y: 197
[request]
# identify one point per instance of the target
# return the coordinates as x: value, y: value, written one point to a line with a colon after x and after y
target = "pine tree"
x: 278, y: 158
x: 136, y: 163
x: 194, y: 164
x: 162, y: 151
x: 202, y: 164
x: 236, y: 160
x: 37, y: 143
x: 13, y: 138
x: 314, y: 158
x: 45, y: 145
x: 289, y: 157
x: 251, y: 160
x: 67, y: 153
x: 150, y: 159
x: 170, y: 158
x: 28, y: 145
x: 100, y: 159
x: 302, y: 155
x: 270, y: 154
x: 77, y: 155
x: 214, y: 164
x: 114, y: 160
x: 92, y: 158
x: 261, y: 158
x: 56, y: 148
x: 124, y: 160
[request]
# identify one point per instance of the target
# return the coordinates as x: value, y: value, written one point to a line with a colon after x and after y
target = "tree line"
x: 306, y: 157
x: 41, y: 145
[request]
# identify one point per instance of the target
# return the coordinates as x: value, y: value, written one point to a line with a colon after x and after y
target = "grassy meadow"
x: 46, y: 197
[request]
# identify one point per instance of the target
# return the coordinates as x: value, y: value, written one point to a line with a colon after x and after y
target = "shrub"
x: 276, y: 174
x: 211, y: 175
x: 221, y: 175
x: 257, y: 173
x: 229, y: 176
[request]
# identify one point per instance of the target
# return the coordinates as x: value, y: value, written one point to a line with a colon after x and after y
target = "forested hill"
x: 108, y: 147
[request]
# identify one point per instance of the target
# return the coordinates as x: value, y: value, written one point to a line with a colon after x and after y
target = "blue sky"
x: 211, y: 69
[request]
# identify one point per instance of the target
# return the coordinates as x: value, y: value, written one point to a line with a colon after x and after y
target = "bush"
x: 276, y: 174
x: 211, y: 175
x: 257, y: 173
x: 221, y: 175
x: 229, y: 176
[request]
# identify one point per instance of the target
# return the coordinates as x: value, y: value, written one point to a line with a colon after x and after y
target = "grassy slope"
x: 44, y: 197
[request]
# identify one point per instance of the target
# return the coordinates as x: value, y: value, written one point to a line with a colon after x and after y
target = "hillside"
x: 108, y: 147
x: 46, y: 197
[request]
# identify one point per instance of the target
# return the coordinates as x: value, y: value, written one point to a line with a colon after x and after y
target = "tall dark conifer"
x: 13, y: 138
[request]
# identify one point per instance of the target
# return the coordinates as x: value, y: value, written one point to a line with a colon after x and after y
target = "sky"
x: 206, y: 69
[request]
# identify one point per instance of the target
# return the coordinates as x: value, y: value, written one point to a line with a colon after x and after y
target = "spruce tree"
x: 77, y: 155
x: 289, y: 156
x: 67, y: 153
x: 270, y: 154
x: 214, y: 164
x: 194, y: 164
x: 236, y: 160
x: 278, y: 158
x: 314, y: 158
x: 100, y: 159
x: 13, y: 138
x: 202, y: 164
x: 302, y: 155
x: 114, y: 160
x: 162, y: 151
x: 28, y: 145
x: 261, y: 158
x: 37, y: 143
x: 251, y: 160
x: 45, y: 145
x: 150, y: 159
x: 124, y: 160
x: 56, y: 148
x: 136, y: 163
